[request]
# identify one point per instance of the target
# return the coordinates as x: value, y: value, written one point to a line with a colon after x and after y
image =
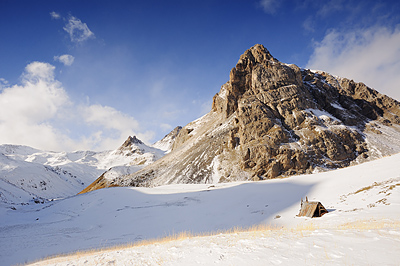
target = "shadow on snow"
x: 114, y: 216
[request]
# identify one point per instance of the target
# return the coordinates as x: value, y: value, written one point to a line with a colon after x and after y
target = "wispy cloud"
x: 309, y: 24
x: 55, y: 15
x: 113, y: 126
x: 206, y: 107
x: 270, y: 6
x: 109, y: 118
x: 328, y: 7
x: 39, y: 113
x: 66, y: 59
x: 3, y: 83
x: 77, y: 30
x: 369, y: 55
x: 165, y: 127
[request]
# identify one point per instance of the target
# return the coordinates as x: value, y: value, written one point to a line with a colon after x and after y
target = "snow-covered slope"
x: 167, y: 142
x: 30, y: 175
x: 366, y: 193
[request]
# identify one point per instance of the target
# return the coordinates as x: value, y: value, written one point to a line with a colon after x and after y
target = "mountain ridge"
x: 29, y: 175
x: 273, y: 119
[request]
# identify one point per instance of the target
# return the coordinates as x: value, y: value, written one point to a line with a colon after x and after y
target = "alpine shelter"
x: 311, y: 209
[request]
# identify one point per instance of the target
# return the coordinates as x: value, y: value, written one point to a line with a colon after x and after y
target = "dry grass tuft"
x: 384, y: 185
x: 370, y: 224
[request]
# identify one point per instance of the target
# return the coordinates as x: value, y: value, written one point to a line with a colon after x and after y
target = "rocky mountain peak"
x: 257, y: 54
x: 256, y: 70
x: 132, y: 145
x: 131, y: 141
x: 272, y: 119
x: 173, y: 133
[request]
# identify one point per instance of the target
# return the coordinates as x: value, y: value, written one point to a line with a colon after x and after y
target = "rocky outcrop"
x: 290, y: 120
x: 130, y: 146
x: 131, y: 156
x: 273, y: 119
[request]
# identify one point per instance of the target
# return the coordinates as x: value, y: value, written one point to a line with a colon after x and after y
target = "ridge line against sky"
x: 86, y: 75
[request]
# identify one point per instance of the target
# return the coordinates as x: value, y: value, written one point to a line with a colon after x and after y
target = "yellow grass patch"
x: 370, y: 224
x: 385, y: 185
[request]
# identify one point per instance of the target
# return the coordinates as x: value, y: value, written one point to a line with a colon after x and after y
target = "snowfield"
x: 304, y: 247
x: 361, y: 228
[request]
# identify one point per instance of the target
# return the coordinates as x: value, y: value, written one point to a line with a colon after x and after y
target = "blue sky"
x: 87, y: 74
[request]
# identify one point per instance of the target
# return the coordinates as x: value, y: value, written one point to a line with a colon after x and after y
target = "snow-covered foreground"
x: 107, y: 217
x: 276, y: 247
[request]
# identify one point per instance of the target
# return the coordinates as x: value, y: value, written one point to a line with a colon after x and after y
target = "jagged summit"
x: 273, y: 119
x: 137, y: 152
x: 130, y: 141
x: 240, y: 78
x: 131, y: 146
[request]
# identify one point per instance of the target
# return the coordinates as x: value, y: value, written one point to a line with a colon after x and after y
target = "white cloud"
x: 26, y: 108
x: 37, y: 99
x: 77, y: 30
x: 114, y: 126
x: 109, y: 118
x: 38, y: 71
x: 370, y: 55
x: 270, y: 6
x: 55, y: 15
x: 39, y: 113
x: 66, y: 59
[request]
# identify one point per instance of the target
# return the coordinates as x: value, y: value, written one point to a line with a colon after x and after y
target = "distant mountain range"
x: 29, y: 175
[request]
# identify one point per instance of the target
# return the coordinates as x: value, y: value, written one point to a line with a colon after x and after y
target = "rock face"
x: 273, y: 119
x: 130, y: 146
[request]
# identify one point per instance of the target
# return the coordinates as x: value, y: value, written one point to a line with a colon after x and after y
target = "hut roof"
x: 312, y: 209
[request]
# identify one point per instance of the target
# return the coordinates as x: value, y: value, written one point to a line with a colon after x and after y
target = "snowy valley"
x: 362, y: 226
x: 298, y: 133
x: 186, y: 133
